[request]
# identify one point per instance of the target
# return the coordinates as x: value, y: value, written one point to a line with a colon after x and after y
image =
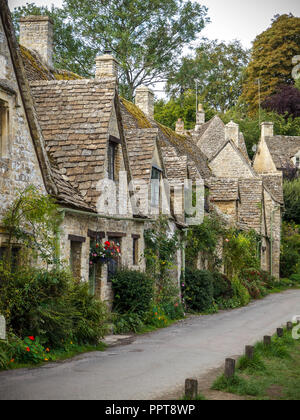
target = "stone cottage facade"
x: 251, y: 198
x: 76, y: 139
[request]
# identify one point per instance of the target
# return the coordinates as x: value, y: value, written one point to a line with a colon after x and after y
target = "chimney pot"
x: 36, y: 33
x: 180, y: 126
x: 144, y: 99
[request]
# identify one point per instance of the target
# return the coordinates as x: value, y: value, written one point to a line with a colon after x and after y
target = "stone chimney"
x: 36, y: 33
x: 200, y: 117
x: 106, y: 66
x: 267, y: 129
x: 232, y: 132
x: 144, y: 99
x: 180, y: 127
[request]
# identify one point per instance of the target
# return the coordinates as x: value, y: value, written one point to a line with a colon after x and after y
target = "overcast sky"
x: 233, y: 19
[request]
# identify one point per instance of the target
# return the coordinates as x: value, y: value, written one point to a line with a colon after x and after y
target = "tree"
x: 291, y: 190
x: 219, y: 68
x: 286, y: 101
x: 146, y: 36
x: 271, y: 60
x: 70, y: 52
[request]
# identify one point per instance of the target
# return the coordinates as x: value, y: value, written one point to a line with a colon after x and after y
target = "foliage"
x: 133, y: 292
x: 240, y: 292
x: 71, y: 52
x: 199, y: 290
x: 102, y: 253
x: 126, y: 323
x: 240, y: 251
x: 51, y: 306
x: 286, y: 101
x: 161, y: 245
x: 250, y: 125
x: 257, y: 282
x: 204, y: 239
x: 290, y: 250
x: 33, y: 220
x: 222, y: 286
x: 271, y: 59
x: 167, y: 112
x: 291, y: 192
x: 219, y: 67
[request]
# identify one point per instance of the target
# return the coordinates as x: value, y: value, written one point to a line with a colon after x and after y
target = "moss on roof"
x: 36, y: 64
x: 65, y: 75
x: 137, y: 113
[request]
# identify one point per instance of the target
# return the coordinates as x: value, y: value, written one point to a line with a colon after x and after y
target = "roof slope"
x: 141, y: 146
x: 74, y: 117
x: 211, y: 136
x: 134, y: 118
x: 282, y: 149
x: 224, y: 189
x: 251, y: 198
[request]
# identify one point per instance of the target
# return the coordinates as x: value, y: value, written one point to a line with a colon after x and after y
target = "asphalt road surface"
x: 156, y: 363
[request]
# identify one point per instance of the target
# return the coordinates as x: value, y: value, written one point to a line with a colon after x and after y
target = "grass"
x: 61, y: 355
x: 273, y: 374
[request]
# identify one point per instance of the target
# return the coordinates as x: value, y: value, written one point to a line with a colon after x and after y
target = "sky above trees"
x: 237, y: 20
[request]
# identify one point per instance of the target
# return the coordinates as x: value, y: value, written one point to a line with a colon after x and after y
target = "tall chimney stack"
x: 106, y: 66
x: 180, y: 127
x: 36, y: 33
x: 267, y: 129
x: 200, y: 117
x: 144, y: 99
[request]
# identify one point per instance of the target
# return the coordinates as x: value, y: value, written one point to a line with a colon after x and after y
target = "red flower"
x: 107, y: 243
x: 28, y: 349
x: 31, y: 338
x: 97, y: 245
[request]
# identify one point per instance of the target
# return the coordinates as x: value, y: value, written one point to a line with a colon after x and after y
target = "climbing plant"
x: 161, y: 245
x: 32, y: 221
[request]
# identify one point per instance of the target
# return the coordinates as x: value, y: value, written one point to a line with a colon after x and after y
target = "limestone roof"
x: 282, y: 149
x: 74, y: 117
x: 133, y: 117
x: 273, y: 183
x: 211, y: 136
x: 250, y: 192
x: 224, y: 189
x: 141, y: 146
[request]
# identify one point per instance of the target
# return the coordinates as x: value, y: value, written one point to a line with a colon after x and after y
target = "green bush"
x: 222, y: 286
x: 127, y: 323
x: 290, y: 250
x: 295, y: 278
x: 134, y: 292
x: 199, y: 290
x: 50, y: 305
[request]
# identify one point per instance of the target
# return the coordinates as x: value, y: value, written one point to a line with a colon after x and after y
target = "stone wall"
x: 230, y: 164
x: 79, y: 225
x: 19, y: 166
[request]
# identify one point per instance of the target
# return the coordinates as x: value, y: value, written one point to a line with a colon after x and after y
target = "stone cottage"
x: 251, y: 198
x: 76, y: 140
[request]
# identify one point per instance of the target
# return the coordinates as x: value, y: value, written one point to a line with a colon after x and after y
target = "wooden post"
x: 229, y: 368
x: 191, y: 388
x: 289, y: 326
x: 249, y: 352
x: 280, y: 332
x: 267, y: 340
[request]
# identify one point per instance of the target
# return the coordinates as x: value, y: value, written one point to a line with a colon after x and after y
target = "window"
x: 135, y: 249
x: 75, y: 255
x: 113, y: 264
x: 297, y: 161
x: 112, y: 149
x: 155, y: 186
x: 15, y: 256
x: 4, y: 114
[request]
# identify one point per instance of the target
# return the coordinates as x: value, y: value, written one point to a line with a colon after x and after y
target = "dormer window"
x: 112, y: 157
x: 4, y: 124
x: 155, y: 186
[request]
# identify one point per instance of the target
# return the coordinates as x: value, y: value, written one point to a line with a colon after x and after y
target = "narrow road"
x: 156, y: 363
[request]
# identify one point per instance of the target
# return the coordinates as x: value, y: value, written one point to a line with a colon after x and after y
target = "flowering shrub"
x: 29, y: 350
x: 157, y: 317
x: 100, y: 253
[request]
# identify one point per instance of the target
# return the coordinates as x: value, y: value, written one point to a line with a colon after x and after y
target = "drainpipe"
x: 271, y: 244
x: 58, y: 236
